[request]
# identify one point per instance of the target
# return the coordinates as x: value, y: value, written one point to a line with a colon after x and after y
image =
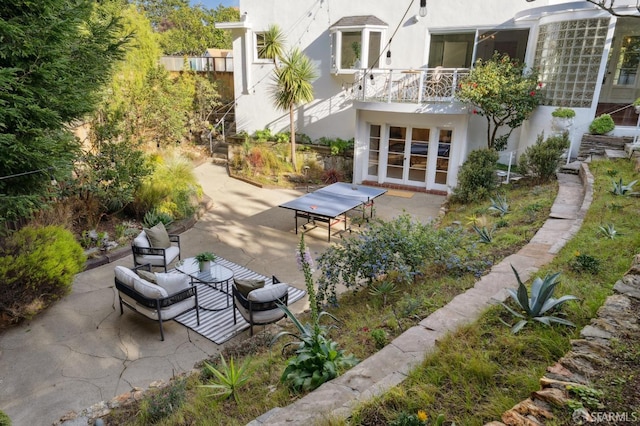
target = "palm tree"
x: 273, y: 47
x: 292, y: 86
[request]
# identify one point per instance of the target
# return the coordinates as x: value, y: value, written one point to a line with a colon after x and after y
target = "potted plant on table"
x: 205, y: 259
x: 636, y: 105
x: 562, y: 118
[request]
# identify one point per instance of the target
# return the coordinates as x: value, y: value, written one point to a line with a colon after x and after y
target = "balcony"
x: 198, y: 63
x: 421, y: 86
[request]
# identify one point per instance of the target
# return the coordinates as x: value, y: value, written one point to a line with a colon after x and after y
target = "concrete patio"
x: 81, y: 350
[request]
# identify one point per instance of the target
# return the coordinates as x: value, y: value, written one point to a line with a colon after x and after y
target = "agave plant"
x: 609, y: 231
x: 621, y: 189
x: 317, y: 358
x: 229, y: 378
x: 500, y: 205
x: 486, y: 235
x: 539, y: 304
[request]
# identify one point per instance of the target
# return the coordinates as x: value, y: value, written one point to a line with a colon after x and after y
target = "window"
x: 260, y: 45
x: 627, y: 68
x: 442, y: 160
x: 451, y: 50
x: 511, y: 42
x: 374, y: 150
x: 356, y: 43
x: 568, y: 58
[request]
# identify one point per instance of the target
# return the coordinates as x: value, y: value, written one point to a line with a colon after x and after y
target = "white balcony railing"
x: 412, y: 86
x: 198, y: 63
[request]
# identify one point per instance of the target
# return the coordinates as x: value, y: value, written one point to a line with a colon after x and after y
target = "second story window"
x: 260, y: 44
x: 356, y: 43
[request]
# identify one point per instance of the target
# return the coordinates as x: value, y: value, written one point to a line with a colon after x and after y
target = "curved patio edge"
x: 391, y: 365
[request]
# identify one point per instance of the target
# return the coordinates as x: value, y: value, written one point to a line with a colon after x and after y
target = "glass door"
x: 374, y: 151
x: 396, y: 155
x: 418, y: 155
x: 442, y: 159
x: 407, y: 157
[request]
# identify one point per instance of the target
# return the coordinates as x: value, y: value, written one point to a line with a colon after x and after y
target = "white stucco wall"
x: 306, y: 24
x: 333, y: 113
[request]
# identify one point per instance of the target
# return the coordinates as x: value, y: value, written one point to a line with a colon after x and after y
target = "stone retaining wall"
x: 596, y: 144
x: 615, y: 318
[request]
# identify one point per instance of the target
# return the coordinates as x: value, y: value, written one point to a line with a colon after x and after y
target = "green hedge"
x: 37, y: 267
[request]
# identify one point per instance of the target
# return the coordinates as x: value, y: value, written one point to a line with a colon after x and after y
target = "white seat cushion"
x: 141, y: 240
x: 268, y: 293
x: 157, y: 260
x: 168, y: 313
x: 261, y: 317
x: 149, y: 290
x: 172, y: 283
x: 125, y: 275
x: 265, y: 294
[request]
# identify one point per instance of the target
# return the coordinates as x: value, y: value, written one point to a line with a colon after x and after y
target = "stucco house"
x: 388, y: 72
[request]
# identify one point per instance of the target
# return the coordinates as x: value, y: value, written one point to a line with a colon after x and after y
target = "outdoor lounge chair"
x: 160, y: 302
x: 156, y: 247
x: 260, y: 306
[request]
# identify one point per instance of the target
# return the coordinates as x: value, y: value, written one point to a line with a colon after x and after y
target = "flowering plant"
x: 503, y: 92
x: 317, y: 357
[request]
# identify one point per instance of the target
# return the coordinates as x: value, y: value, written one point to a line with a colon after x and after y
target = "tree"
x: 609, y: 6
x: 144, y: 104
x: 157, y: 11
x: 274, y: 43
x: 504, y: 93
x: 188, y: 30
x: 54, y: 57
x: 293, y: 87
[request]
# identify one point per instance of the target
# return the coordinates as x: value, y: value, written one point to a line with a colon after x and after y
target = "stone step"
x: 614, y: 154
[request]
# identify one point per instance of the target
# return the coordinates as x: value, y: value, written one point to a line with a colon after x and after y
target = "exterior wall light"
x: 423, y: 8
x: 388, y: 61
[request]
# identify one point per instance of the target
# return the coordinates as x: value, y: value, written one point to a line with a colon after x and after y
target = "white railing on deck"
x: 198, y: 63
x: 423, y: 85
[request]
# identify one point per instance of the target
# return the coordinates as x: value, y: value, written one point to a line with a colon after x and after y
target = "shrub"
x: 332, y: 176
x: 172, y: 188
x: 542, y: 159
x: 4, y: 419
x: 317, y: 358
x: 379, y: 337
x: 166, y: 401
x: 399, y: 246
x: 563, y: 113
x: 601, y: 125
x: 263, y: 135
x: 112, y: 175
x: 477, y: 180
x: 338, y: 146
x: 37, y: 266
x: 585, y: 263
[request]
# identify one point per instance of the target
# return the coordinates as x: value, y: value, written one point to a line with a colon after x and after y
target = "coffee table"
x: 218, y: 275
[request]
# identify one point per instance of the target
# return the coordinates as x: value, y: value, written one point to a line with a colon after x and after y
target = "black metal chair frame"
x: 154, y: 251
x: 252, y: 306
x: 156, y: 304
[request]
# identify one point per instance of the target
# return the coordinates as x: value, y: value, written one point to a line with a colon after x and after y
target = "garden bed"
x: 367, y: 320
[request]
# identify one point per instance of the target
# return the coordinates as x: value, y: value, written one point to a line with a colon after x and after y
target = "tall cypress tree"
x: 54, y: 56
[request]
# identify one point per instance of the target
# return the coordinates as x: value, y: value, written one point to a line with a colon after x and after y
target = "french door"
x: 407, y: 156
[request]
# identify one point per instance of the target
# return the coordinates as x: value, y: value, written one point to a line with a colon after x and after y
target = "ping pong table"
x: 329, y: 203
